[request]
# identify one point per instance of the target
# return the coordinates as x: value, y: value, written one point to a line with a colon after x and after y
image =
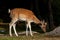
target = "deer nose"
x: 44, y: 28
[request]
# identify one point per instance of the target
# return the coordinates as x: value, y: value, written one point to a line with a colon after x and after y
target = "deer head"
x: 43, y: 25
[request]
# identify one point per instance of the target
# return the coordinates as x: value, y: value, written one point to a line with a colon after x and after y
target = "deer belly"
x: 23, y: 19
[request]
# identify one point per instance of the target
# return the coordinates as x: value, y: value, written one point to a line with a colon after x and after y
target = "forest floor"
x: 35, y: 37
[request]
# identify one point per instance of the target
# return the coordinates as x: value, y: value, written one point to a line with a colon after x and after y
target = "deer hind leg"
x: 11, y: 25
x: 10, y: 28
x: 14, y: 27
x: 29, y: 24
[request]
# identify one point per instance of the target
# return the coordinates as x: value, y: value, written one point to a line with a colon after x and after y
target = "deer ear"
x: 45, y: 23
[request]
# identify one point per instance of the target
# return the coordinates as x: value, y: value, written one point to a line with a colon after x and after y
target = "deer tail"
x: 9, y: 10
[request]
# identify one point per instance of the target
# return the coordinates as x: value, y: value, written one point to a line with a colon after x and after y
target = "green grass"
x: 24, y: 37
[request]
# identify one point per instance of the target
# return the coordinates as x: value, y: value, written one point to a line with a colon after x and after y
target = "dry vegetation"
x: 35, y: 37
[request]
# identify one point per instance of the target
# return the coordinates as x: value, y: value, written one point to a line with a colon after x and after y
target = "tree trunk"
x: 51, y: 23
x: 32, y: 5
x: 37, y: 6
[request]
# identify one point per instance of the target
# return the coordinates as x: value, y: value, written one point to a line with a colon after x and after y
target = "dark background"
x: 28, y: 4
x: 39, y: 7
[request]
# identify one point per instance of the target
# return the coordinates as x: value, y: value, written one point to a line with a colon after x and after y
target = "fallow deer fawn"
x: 24, y: 15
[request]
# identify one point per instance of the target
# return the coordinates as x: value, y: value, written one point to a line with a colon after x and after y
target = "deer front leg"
x: 26, y: 29
x: 30, y: 28
x: 14, y: 27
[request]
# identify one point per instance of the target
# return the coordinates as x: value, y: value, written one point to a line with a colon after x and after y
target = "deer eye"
x: 44, y: 23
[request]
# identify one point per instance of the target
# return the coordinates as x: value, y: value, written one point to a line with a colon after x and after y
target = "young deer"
x: 24, y: 15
